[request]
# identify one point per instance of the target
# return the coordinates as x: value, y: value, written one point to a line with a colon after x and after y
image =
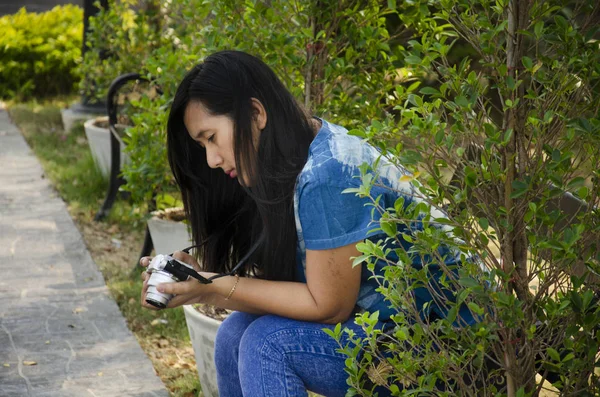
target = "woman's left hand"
x: 187, y: 292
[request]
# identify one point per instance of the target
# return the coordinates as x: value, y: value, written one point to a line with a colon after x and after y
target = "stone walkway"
x: 61, y: 334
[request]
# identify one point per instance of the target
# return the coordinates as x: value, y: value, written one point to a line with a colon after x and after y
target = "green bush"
x: 518, y: 127
x: 343, y: 68
x: 123, y: 36
x: 39, y: 52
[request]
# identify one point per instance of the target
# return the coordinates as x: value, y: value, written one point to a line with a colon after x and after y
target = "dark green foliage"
x: 342, y: 69
x: 121, y: 38
x: 498, y: 139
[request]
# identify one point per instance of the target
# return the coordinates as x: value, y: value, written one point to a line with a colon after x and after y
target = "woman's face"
x: 214, y: 134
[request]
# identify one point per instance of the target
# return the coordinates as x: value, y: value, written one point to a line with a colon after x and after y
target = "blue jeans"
x: 276, y: 356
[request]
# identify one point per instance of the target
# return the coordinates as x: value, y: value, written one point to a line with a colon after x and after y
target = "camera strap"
x: 191, y: 272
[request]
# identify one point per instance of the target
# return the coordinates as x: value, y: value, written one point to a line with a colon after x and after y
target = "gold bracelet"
x: 237, y: 280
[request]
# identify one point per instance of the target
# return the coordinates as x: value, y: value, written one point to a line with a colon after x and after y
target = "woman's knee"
x: 228, y: 338
x: 278, y: 353
x: 257, y: 336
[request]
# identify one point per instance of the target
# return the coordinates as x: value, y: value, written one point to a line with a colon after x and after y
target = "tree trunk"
x: 519, y: 372
x: 316, y: 56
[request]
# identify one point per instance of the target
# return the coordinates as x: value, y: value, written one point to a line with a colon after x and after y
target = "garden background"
x: 492, y: 105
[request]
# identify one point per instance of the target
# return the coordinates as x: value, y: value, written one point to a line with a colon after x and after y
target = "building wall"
x: 12, y: 6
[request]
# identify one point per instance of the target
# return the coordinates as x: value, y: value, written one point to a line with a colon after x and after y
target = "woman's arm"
x: 329, y: 295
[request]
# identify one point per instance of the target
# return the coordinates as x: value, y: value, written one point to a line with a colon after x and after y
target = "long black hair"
x: 226, y: 217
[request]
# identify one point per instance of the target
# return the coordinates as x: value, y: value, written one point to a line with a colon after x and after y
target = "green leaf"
x: 364, y: 248
x: 527, y: 62
x: 568, y: 357
x: 391, y: 4
x: 553, y: 354
x: 399, y: 204
x: 475, y: 308
x: 484, y: 223
x: 359, y: 260
x: 538, y: 29
x: 576, y: 300
x: 444, y: 88
x: 461, y: 101
x: 510, y: 82
x: 561, y: 22
x: 415, y: 100
x: 329, y: 332
x: 576, y: 183
x: 358, y: 133
x: 429, y: 91
x: 470, y: 176
x: 452, y: 313
x: 519, y: 189
x: 389, y: 228
x: 439, y: 137
x: 412, y: 60
x: 335, y: 333
x: 374, y: 316
x: 462, y: 295
x: 413, y: 86
x: 468, y: 282
x: 507, y: 135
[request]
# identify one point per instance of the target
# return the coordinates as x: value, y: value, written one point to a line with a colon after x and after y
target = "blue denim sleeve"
x: 330, y: 218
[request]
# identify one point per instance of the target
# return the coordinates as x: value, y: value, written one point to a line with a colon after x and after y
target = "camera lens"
x: 153, y: 296
x: 155, y: 303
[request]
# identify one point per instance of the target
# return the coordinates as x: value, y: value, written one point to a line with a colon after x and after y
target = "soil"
x: 171, y: 214
x: 217, y: 313
x: 109, y: 245
x: 102, y: 122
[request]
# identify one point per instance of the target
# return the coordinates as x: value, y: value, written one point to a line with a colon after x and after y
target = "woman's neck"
x: 316, y: 125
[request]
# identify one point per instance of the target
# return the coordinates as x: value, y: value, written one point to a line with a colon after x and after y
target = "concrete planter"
x: 78, y: 114
x: 168, y: 236
x: 203, y: 331
x: 99, y: 140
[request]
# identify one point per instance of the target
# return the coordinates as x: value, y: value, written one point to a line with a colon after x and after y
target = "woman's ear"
x: 259, y: 113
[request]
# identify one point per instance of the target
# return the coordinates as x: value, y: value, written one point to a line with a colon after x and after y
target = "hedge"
x: 39, y: 52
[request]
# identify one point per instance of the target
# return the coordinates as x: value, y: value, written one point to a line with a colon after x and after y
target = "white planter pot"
x: 203, y: 331
x: 75, y: 116
x: 168, y: 236
x: 99, y: 141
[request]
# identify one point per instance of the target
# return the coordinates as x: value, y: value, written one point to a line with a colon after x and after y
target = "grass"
x: 114, y: 243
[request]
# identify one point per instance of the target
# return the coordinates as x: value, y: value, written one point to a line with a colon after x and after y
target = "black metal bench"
x: 115, y: 178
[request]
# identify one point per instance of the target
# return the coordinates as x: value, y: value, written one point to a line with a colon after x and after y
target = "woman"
x: 251, y: 163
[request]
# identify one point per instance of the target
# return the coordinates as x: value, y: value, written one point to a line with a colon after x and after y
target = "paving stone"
x: 56, y: 310
x: 17, y: 388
